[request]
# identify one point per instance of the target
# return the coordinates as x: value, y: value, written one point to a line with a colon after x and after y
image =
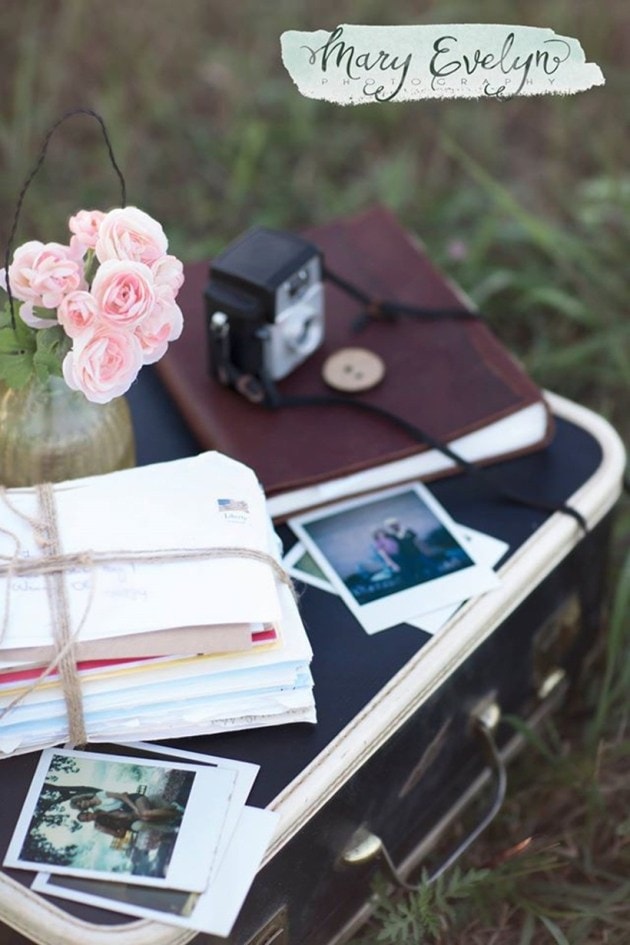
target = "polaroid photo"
x: 245, y: 774
x: 486, y: 550
x: 112, y: 817
x: 392, y: 555
x: 214, y: 911
x: 244, y: 840
x: 299, y: 564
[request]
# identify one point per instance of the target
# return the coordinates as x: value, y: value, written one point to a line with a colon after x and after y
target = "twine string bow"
x: 53, y: 566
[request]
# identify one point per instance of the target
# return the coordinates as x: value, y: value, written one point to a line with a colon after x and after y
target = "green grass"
x: 555, y: 864
x: 526, y: 204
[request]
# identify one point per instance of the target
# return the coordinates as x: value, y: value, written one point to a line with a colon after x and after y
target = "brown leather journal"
x: 450, y: 377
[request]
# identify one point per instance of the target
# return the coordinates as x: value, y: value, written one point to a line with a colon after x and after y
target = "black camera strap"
x: 388, y: 310
x: 262, y: 390
x: 488, y: 477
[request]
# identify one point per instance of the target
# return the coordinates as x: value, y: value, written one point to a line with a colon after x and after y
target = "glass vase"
x: 49, y: 433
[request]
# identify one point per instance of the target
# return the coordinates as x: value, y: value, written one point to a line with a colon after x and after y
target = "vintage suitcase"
x: 397, y: 749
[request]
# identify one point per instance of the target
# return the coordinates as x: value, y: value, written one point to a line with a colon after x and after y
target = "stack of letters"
x: 161, y: 585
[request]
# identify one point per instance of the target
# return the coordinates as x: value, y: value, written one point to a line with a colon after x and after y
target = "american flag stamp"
x: 233, y: 505
x: 233, y: 510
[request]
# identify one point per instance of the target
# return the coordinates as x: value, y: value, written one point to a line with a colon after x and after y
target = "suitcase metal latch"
x: 365, y: 846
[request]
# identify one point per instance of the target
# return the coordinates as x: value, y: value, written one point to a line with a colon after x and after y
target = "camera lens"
x: 297, y: 336
x: 304, y: 336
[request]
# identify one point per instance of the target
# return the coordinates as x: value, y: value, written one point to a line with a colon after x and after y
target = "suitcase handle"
x: 365, y: 846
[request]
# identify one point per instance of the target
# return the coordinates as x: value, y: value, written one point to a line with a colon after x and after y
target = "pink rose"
x: 85, y: 225
x: 103, y: 363
x: 164, y: 324
x: 129, y: 233
x: 124, y: 292
x: 168, y: 272
x: 43, y: 273
x: 77, y: 312
x: 21, y: 272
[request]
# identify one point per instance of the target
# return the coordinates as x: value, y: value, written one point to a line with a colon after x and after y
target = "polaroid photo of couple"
x: 393, y: 555
x: 150, y: 822
x: 245, y: 836
x: 485, y: 549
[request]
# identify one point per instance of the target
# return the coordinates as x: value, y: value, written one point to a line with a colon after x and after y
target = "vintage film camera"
x: 265, y: 309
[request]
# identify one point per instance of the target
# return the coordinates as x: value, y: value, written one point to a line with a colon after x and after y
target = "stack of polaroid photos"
x: 172, y: 595
x: 394, y: 557
x: 144, y: 831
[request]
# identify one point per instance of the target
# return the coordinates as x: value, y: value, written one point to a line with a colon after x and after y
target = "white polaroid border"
x: 246, y: 835
x: 196, y: 842
x: 291, y: 562
x: 216, y: 909
x: 245, y: 773
x: 397, y: 607
x: 486, y: 550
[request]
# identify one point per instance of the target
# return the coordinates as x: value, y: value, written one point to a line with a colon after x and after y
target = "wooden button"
x: 352, y: 370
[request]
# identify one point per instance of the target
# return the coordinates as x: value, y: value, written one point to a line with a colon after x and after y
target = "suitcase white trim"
x: 34, y: 917
x: 472, y: 624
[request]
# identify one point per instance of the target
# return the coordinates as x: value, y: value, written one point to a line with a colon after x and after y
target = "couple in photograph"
x: 400, y: 549
x: 116, y: 813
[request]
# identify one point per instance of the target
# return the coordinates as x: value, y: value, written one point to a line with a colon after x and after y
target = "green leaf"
x: 551, y: 297
x: 24, y: 336
x: 493, y: 284
x: 8, y: 343
x: 531, y: 737
x: 17, y: 346
x: 16, y: 369
x: 11, y: 343
x: 556, y: 932
x: 52, y: 346
x: 617, y: 672
x: 50, y: 339
x: 44, y: 364
x: 527, y: 932
x: 5, y: 316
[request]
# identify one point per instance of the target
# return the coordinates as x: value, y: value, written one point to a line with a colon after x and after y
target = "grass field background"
x: 525, y: 203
